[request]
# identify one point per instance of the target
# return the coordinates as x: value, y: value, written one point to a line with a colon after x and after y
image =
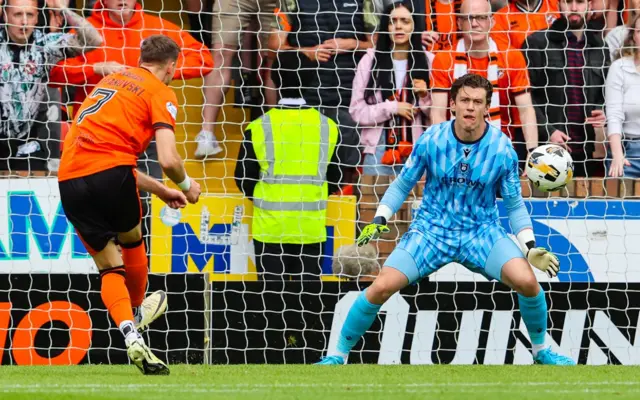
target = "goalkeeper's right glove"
x: 373, y: 231
x: 544, y: 260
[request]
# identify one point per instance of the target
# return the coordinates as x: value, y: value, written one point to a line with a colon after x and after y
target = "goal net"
x: 222, y: 307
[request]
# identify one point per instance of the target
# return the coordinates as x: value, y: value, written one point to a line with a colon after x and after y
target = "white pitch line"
x: 424, y: 390
x: 257, y: 386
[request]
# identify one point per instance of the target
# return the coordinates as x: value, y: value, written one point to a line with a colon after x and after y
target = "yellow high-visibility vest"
x: 294, y: 147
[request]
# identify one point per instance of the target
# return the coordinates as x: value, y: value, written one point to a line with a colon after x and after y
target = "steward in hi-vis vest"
x: 285, y: 165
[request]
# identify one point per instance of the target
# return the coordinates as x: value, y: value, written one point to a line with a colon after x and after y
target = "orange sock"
x: 115, y: 295
x: 137, y: 267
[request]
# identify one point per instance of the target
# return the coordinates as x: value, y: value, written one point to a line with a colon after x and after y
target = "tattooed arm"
x: 86, y: 36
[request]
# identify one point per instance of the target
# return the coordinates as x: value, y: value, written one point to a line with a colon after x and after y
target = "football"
x: 549, y: 168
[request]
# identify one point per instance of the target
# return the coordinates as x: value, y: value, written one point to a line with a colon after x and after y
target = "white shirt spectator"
x: 623, y: 98
x: 615, y: 39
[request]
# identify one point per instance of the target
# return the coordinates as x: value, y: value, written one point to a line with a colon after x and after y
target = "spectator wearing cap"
x: 286, y: 166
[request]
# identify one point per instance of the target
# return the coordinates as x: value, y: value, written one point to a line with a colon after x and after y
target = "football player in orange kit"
x: 99, y: 184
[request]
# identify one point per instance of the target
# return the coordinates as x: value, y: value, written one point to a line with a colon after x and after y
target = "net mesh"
x: 228, y: 315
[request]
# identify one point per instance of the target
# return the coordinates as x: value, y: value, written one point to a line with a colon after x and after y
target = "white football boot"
x: 151, y: 309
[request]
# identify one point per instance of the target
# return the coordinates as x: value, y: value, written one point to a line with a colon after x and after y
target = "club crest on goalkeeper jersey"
x: 462, y: 178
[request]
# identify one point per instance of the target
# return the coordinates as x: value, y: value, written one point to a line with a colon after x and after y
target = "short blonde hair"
x: 352, y: 261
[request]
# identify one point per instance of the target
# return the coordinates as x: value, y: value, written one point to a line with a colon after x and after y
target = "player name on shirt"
x: 116, y: 122
x: 124, y: 83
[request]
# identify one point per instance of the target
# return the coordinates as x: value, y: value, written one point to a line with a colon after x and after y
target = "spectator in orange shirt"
x: 123, y: 25
x: 520, y: 18
x: 477, y: 53
x: 123, y: 29
x: 441, y: 27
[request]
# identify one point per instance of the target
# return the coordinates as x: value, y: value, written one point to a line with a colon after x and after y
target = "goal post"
x: 220, y: 309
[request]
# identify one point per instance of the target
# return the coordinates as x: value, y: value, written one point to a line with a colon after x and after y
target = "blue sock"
x: 534, y: 314
x: 359, y: 319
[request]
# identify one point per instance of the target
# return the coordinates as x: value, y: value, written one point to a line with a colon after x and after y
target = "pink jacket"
x: 371, y: 117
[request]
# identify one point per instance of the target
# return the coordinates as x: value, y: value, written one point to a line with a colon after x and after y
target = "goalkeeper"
x: 466, y: 160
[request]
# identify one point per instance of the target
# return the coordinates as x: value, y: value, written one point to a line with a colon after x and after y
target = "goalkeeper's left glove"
x: 544, y: 260
x: 373, y: 231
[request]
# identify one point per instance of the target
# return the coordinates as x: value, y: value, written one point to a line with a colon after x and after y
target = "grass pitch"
x: 312, y: 382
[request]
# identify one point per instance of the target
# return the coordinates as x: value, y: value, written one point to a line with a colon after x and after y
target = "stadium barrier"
x: 428, y: 323
x: 59, y: 319
x: 50, y: 304
x: 214, y: 236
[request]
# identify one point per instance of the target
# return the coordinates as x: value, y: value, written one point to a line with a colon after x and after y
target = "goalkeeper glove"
x: 373, y: 231
x: 544, y: 260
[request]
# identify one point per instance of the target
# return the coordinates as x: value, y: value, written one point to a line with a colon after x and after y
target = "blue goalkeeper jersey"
x: 462, y: 178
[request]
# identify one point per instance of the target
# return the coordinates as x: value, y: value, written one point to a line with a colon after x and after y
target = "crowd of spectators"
x: 565, y: 71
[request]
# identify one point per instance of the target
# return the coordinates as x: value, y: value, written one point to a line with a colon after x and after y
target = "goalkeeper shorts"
x: 101, y: 205
x: 484, y: 251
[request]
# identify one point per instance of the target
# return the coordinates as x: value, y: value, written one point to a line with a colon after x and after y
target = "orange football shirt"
x: 513, y: 24
x: 513, y: 79
x: 441, y: 18
x: 116, y: 122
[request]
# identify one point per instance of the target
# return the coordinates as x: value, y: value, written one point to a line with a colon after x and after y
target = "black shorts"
x: 101, y: 205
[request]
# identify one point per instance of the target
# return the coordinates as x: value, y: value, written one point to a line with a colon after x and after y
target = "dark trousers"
x: 520, y: 146
x: 278, y: 261
x: 584, y: 165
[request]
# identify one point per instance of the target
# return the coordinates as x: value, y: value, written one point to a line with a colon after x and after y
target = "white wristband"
x: 525, y: 236
x: 185, y: 184
x: 384, y: 211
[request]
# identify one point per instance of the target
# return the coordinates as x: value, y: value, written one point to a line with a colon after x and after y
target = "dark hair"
x: 290, y: 72
x: 382, y: 68
x: 472, y: 81
x: 158, y: 49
